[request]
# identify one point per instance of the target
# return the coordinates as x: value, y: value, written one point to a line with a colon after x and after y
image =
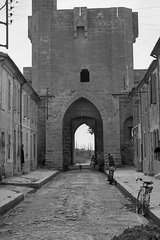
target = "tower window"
x: 84, y: 75
x: 80, y: 31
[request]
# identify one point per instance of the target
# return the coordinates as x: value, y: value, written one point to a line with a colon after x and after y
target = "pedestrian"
x: 92, y: 163
x: 111, y: 160
x: 111, y: 165
x: 22, y: 156
x: 80, y: 167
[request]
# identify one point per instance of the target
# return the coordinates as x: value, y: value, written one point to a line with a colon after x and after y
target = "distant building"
x: 18, y: 119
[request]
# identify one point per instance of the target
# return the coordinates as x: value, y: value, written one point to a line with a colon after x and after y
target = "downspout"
x: 141, y: 142
x: 148, y: 130
x: 21, y: 118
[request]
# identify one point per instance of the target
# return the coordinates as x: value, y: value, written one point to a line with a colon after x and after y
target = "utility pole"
x: 6, y: 24
x: 7, y: 21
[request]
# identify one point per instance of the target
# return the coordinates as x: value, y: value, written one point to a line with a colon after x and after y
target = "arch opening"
x: 127, y: 150
x: 84, y: 142
x: 82, y: 111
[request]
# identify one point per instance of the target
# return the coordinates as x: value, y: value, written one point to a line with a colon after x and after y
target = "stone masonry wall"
x: 65, y: 42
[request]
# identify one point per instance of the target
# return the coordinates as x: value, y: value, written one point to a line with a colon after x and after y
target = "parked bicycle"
x: 143, y: 197
x: 111, y: 175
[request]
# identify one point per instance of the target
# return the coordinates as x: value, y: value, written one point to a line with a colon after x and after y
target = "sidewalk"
x: 14, y: 189
x: 126, y: 182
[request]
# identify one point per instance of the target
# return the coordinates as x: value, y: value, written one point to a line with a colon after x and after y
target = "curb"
x: 36, y: 184
x: 154, y: 217
x: 127, y: 191
x: 43, y: 181
x: 9, y: 203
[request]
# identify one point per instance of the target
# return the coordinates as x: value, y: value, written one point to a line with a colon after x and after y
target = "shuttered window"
x: 9, y: 94
x: 153, y: 89
x: 14, y: 97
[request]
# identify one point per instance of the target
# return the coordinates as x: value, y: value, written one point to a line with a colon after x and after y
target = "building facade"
x: 146, y: 118
x: 18, y: 120
x: 82, y: 59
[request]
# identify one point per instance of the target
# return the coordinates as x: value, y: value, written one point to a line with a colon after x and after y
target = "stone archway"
x: 127, y: 149
x: 81, y: 111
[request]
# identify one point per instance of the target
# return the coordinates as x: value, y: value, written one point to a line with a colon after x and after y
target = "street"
x: 74, y: 205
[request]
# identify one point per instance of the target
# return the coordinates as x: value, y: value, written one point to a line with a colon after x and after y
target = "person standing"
x: 111, y: 167
x: 111, y: 160
x: 92, y: 163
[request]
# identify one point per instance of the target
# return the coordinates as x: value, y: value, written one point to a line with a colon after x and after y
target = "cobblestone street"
x: 74, y: 205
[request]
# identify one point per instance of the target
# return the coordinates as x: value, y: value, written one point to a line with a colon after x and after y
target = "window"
x: 80, y: 31
x: 35, y: 114
x: 31, y: 110
x: 14, y: 97
x: 153, y: 89
x: 18, y: 143
x: 26, y: 145
x: 84, y: 75
x: 25, y: 104
x: 34, y: 146
x: 9, y: 146
x: 128, y: 129
x: 9, y: 94
x: 3, y: 140
x: 29, y: 107
x: 3, y: 92
x: 18, y: 100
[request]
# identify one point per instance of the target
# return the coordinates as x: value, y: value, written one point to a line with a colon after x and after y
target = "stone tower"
x: 82, y: 58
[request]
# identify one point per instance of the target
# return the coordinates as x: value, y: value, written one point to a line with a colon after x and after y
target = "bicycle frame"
x: 143, y: 197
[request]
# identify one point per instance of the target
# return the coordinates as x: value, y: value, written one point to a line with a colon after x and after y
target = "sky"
x: 149, y: 27
x: 84, y: 142
x: 20, y: 46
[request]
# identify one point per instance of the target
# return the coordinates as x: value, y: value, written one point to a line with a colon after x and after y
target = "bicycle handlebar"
x: 146, y: 182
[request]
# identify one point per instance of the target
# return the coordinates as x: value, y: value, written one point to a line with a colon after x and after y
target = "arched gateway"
x: 61, y: 126
x: 79, y: 112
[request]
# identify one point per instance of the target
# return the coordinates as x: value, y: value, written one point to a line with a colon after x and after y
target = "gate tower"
x: 81, y: 60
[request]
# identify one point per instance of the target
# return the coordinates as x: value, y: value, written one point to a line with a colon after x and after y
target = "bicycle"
x: 143, y: 197
x: 111, y: 174
x: 92, y: 164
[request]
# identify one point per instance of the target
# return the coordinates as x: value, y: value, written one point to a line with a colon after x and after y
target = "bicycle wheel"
x: 145, y: 205
x: 139, y: 201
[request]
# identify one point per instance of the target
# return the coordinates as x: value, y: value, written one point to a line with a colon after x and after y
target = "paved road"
x: 74, y: 205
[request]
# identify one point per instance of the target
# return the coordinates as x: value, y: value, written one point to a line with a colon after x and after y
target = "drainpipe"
x: 148, y: 131
x: 141, y: 140
x: 21, y: 117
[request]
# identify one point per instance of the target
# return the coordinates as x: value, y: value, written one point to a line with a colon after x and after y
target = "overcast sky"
x: 149, y: 27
